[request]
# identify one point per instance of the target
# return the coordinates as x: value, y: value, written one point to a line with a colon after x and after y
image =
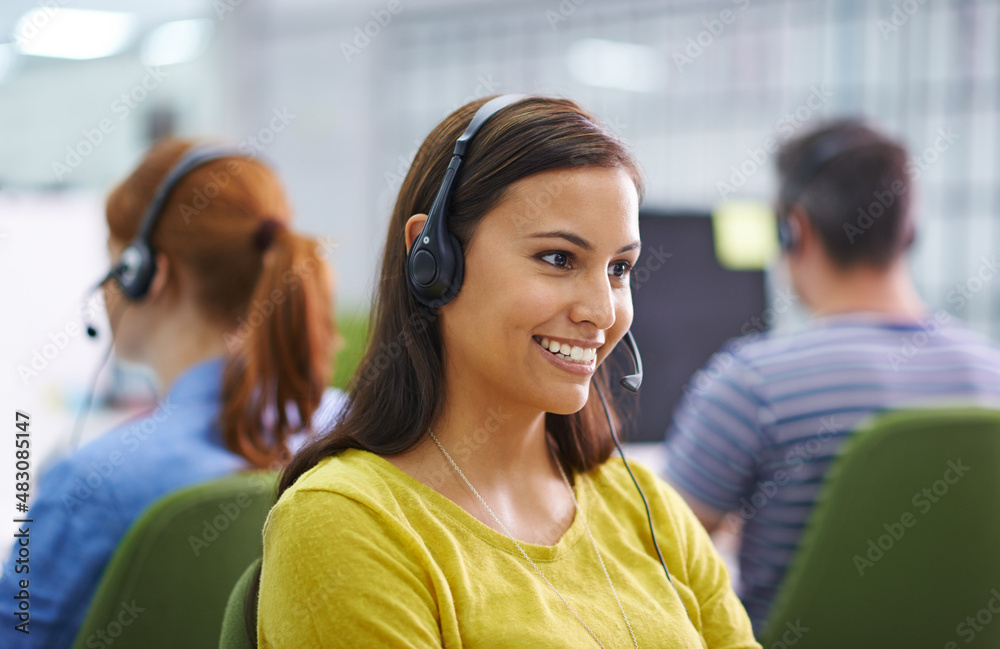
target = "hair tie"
x: 264, y: 236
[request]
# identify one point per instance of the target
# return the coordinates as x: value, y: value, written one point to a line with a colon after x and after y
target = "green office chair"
x: 167, y: 584
x: 903, y: 548
x: 235, y: 634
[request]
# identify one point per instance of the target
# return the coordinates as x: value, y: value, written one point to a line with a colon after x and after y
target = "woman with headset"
x: 232, y: 311
x: 467, y: 498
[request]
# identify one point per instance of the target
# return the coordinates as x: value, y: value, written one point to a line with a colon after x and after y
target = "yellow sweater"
x: 358, y: 554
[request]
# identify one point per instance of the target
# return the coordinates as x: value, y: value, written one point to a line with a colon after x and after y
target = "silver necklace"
x: 593, y: 543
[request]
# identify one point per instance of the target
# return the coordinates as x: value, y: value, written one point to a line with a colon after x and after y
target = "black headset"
x: 819, y: 155
x: 435, y: 264
x: 135, y: 269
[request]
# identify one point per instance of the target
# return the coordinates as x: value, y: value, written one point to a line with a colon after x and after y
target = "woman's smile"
x: 573, y: 356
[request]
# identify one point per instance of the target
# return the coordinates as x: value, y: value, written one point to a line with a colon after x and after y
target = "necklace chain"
x: 576, y: 507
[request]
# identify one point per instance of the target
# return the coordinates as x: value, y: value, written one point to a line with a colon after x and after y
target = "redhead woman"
x: 222, y: 366
x: 468, y: 497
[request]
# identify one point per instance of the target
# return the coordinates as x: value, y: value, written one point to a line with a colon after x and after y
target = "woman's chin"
x: 569, y: 403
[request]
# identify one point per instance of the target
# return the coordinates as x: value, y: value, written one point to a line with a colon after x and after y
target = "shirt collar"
x: 199, y: 382
x: 874, y: 319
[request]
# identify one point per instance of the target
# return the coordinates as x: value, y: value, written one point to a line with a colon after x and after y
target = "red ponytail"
x: 267, y: 286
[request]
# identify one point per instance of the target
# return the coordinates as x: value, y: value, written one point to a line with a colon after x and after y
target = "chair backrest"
x: 903, y: 547
x: 168, y: 582
x: 234, y: 627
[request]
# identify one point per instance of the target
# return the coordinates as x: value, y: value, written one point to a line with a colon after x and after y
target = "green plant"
x: 353, y: 327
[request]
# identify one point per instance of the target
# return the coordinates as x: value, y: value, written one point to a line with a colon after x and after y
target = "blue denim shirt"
x: 86, y: 502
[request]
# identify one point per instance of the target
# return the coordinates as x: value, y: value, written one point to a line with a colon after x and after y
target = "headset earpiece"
x: 435, y: 265
x: 788, y: 234
x: 135, y: 270
x: 821, y: 154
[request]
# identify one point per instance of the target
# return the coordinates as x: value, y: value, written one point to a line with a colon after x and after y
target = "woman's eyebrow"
x: 578, y: 240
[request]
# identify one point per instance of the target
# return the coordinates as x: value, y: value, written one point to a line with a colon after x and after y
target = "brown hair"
x: 859, y: 201
x: 395, y: 393
x: 276, y: 302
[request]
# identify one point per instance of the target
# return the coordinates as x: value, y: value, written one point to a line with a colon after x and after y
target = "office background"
x: 338, y: 95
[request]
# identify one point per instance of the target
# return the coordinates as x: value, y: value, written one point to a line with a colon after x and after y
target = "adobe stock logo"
x: 978, y: 621
x: 757, y: 157
x: 371, y: 30
x: 924, y: 500
x: 911, y: 344
x: 566, y: 9
x: 122, y: 107
x: 714, y: 28
x: 884, y: 199
x: 901, y: 13
x: 106, y: 637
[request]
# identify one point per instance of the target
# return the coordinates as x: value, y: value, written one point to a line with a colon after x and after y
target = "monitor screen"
x: 686, y: 306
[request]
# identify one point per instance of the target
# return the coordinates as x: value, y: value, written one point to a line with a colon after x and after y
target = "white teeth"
x: 574, y: 353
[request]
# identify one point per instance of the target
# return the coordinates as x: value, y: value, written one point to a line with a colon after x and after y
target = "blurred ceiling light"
x: 177, y: 42
x: 612, y: 64
x: 74, y: 33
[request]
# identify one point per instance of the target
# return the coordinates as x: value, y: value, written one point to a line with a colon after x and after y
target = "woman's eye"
x: 619, y: 269
x: 558, y: 259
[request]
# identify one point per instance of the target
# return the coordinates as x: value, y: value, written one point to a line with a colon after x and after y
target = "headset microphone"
x: 92, y: 329
x: 632, y: 381
x: 134, y: 271
x: 137, y: 265
x: 435, y: 265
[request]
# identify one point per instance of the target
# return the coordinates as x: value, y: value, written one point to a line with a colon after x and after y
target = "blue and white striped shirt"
x: 761, y: 422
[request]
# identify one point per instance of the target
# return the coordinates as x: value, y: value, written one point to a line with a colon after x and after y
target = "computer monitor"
x: 686, y: 306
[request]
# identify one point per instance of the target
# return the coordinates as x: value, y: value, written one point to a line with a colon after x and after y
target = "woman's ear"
x: 414, y: 225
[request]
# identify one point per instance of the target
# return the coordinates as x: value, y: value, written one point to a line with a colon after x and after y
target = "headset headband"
x: 822, y: 153
x: 134, y: 271
x: 435, y: 265
x: 817, y: 157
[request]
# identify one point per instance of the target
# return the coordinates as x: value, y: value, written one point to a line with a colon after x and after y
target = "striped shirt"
x: 761, y: 422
